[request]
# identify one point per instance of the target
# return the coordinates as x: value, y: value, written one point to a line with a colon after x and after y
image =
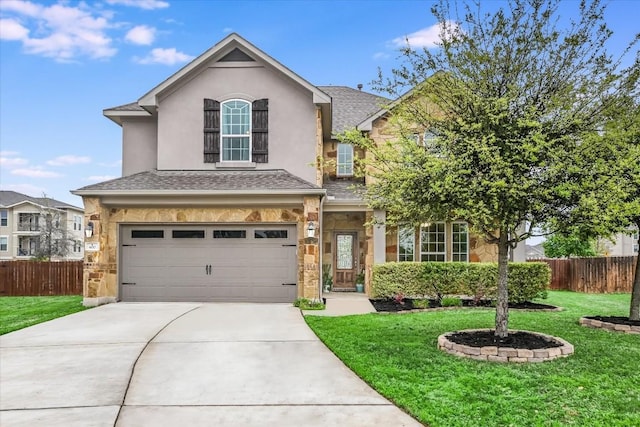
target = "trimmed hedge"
x: 527, y: 280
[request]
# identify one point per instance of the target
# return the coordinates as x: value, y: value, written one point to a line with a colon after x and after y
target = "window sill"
x: 236, y: 165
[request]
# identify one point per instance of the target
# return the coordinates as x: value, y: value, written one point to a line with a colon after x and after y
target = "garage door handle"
x: 289, y: 246
x: 288, y: 284
x: 207, y: 269
x: 128, y: 283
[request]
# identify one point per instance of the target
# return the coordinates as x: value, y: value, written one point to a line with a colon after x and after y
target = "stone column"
x: 310, y: 285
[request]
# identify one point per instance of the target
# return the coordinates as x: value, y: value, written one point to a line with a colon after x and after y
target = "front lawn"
x: 397, y: 355
x: 20, y: 312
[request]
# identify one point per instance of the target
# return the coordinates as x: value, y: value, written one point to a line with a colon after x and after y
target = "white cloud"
x: 164, y: 56
x: 380, y: 55
x: 9, y: 153
x: 99, y: 178
x: 35, y: 172
x: 142, y: 4
x: 141, y: 34
x: 10, y: 29
x: 227, y: 29
x: 115, y: 164
x: 68, y: 160
x: 427, y: 37
x: 9, y: 161
x: 58, y: 31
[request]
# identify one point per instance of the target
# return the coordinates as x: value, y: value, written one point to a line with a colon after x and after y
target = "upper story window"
x: 433, y: 242
x: 236, y: 131
x: 345, y: 160
x: 4, y: 243
x: 4, y: 218
x: 77, y: 222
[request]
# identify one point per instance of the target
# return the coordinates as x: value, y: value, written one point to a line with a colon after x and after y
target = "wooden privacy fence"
x: 599, y: 275
x: 32, y: 278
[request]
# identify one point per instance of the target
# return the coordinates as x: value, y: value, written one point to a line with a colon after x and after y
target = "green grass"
x: 20, y: 312
x: 599, y: 385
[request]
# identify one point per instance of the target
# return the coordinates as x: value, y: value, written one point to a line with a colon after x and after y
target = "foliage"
x: 360, y: 277
x: 307, y: 304
x: 509, y: 96
x: 559, y: 246
x: 398, y: 356
x: 422, y: 303
x: 421, y: 279
x: 451, y: 302
x: 52, y: 237
x: 20, y: 312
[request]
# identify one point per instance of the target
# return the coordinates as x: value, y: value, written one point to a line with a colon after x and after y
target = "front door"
x: 345, y: 260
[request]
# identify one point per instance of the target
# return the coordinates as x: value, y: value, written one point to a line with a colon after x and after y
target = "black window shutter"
x: 211, y: 131
x: 260, y: 131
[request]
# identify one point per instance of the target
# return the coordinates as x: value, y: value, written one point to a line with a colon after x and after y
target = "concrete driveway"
x: 182, y: 364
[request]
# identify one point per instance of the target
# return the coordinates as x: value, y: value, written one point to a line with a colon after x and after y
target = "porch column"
x: 379, y: 237
x: 310, y: 286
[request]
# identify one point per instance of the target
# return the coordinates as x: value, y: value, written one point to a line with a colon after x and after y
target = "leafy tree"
x: 509, y: 97
x: 559, y: 246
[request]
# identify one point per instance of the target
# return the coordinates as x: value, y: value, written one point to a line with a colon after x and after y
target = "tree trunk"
x: 502, y: 308
x: 634, y: 312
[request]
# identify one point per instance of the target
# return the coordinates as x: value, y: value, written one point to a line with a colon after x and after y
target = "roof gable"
x: 233, y: 48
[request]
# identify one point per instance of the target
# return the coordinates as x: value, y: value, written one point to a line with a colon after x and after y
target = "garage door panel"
x: 241, y: 269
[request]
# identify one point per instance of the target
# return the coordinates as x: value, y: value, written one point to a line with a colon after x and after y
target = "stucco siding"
x: 139, y: 145
x: 292, y: 118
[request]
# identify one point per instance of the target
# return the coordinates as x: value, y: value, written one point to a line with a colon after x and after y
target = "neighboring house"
x: 622, y: 244
x: 535, y: 251
x: 234, y: 188
x: 21, y: 225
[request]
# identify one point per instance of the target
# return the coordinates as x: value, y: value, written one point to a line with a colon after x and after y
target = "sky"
x: 63, y: 62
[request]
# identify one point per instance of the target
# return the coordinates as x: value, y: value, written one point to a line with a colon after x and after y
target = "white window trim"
x: 338, y: 164
x: 446, y: 242
x: 5, y: 237
x: 452, y: 249
x: 223, y: 135
x: 414, y: 243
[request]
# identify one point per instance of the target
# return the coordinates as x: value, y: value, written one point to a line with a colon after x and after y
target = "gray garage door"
x: 208, y: 263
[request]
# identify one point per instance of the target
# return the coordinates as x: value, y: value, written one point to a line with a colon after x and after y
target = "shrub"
x: 421, y: 303
x: 451, y: 302
x: 479, y: 280
x: 307, y: 304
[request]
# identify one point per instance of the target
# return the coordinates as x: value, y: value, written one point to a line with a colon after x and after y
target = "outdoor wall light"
x: 88, y: 230
x: 311, y: 229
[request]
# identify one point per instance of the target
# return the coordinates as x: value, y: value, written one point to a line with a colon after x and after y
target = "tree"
x: 509, y: 97
x: 561, y: 246
x: 52, y: 238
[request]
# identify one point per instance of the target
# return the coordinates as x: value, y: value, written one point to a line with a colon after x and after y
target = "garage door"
x: 208, y: 263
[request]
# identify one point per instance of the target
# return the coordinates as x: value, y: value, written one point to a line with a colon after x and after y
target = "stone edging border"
x: 421, y: 310
x: 505, y: 354
x: 613, y: 327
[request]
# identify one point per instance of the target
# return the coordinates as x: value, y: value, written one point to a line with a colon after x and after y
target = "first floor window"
x: 406, y: 243
x: 345, y: 160
x: 236, y: 131
x: 433, y: 242
x: 4, y: 243
x: 3, y: 218
x: 460, y: 242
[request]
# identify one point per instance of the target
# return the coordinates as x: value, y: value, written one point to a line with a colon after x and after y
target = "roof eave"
x: 116, y: 115
x: 143, y: 193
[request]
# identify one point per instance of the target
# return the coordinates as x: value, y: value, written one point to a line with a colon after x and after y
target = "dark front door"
x: 345, y: 260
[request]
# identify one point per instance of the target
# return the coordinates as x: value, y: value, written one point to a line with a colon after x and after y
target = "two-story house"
x: 22, y: 225
x: 234, y: 188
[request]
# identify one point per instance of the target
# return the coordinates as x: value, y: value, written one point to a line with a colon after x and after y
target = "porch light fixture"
x: 88, y: 230
x: 311, y: 229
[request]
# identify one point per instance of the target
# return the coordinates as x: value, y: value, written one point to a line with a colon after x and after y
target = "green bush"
x: 451, y: 302
x: 527, y: 280
x: 307, y: 304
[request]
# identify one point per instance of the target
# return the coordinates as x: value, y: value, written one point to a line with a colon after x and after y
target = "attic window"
x: 236, y: 55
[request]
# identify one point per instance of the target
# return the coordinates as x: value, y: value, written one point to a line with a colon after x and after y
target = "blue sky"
x: 63, y: 62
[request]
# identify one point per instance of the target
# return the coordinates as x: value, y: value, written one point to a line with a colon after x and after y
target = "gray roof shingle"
x: 199, y: 180
x: 132, y: 106
x: 351, y: 106
x: 9, y: 198
x: 344, y: 189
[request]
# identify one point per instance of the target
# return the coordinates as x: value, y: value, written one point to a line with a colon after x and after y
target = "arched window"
x: 236, y: 131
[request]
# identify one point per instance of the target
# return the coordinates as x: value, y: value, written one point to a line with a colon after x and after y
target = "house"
x: 23, y: 225
x: 234, y: 188
x: 621, y: 244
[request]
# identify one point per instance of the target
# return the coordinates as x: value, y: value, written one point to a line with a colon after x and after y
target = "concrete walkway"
x: 182, y: 364
x: 343, y: 304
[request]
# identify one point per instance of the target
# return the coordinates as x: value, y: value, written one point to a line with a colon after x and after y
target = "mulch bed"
x: 518, y: 339
x: 615, y: 319
x: 407, y: 304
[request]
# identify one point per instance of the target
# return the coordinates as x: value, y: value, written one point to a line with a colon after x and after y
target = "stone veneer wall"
x: 346, y: 221
x: 100, y: 281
